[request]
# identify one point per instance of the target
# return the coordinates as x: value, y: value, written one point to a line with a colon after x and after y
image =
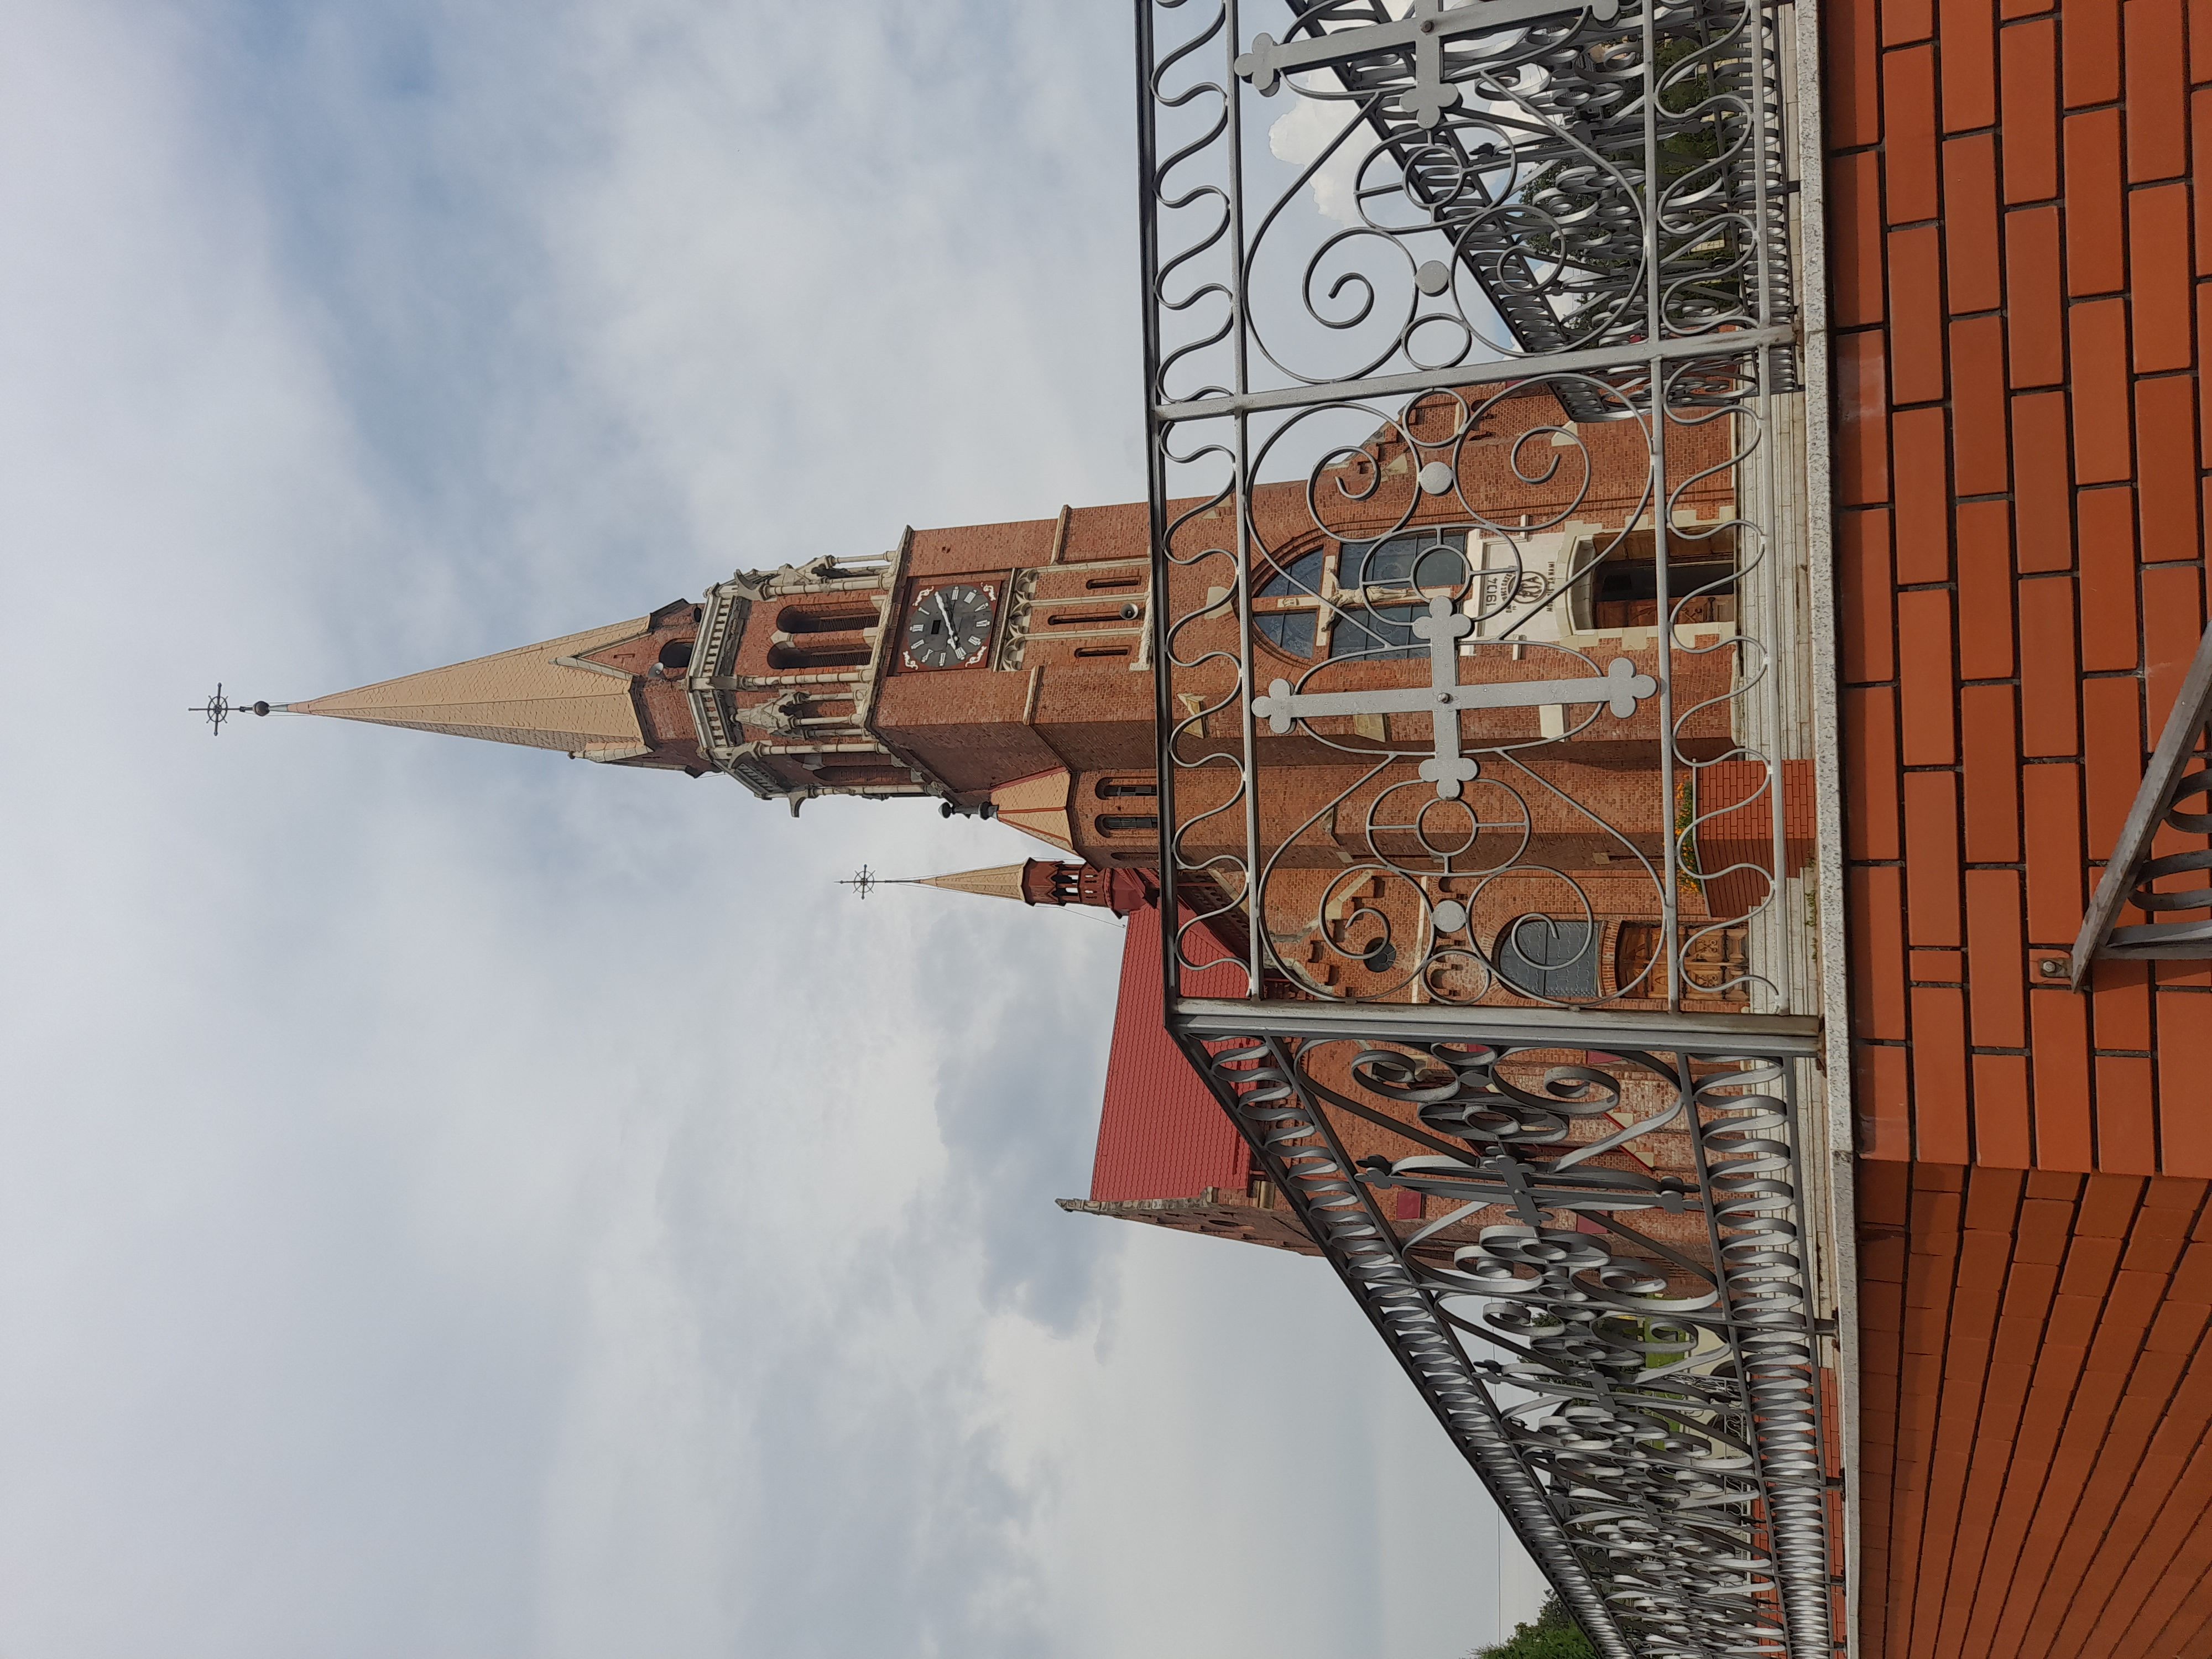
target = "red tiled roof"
x: 1161, y: 1134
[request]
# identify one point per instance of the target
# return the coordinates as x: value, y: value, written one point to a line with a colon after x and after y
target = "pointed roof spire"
x: 1033, y: 881
x: 1000, y: 881
x: 540, y: 696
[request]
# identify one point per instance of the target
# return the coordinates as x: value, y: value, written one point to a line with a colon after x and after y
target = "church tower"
x: 1001, y: 670
x: 1004, y: 670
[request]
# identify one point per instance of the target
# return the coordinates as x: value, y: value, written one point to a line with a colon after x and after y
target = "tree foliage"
x: 1553, y: 1636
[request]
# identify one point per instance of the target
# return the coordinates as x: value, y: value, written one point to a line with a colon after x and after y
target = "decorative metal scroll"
x: 1525, y: 129
x: 1471, y: 358
x: 1646, y: 1410
x: 2176, y: 792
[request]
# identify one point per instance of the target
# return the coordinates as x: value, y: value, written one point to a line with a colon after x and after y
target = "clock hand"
x: 939, y: 597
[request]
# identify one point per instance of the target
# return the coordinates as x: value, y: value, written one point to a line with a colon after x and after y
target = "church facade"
x: 1006, y: 670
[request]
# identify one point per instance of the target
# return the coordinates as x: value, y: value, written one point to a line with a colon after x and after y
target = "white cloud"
x: 1299, y: 137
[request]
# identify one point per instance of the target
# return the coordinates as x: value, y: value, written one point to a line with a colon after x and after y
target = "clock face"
x: 949, y: 627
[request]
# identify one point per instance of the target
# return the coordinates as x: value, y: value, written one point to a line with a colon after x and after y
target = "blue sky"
x: 458, y: 1202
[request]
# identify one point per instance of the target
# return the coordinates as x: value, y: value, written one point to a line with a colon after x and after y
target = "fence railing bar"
x: 2160, y: 778
x: 1735, y: 343
x: 1767, y: 1034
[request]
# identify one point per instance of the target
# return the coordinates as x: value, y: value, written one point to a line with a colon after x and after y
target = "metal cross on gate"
x: 1424, y: 28
x: 1529, y: 1187
x: 1620, y: 688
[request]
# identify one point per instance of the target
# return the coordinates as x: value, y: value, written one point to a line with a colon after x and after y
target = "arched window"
x: 1128, y: 823
x: 1114, y: 788
x: 1289, y: 605
x: 826, y: 654
x: 839, y: 619
x: 1380, y: 588
x: 676, y: 657
x: 1551, y: 956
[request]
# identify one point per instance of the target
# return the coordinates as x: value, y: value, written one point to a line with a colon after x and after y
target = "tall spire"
x: 1000, y: 881
x: 540, y: 696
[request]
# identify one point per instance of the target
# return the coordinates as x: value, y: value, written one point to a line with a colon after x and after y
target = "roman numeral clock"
x: 949, y: 626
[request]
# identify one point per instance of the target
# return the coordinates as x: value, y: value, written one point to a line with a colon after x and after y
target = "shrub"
x: 1553, y: 1636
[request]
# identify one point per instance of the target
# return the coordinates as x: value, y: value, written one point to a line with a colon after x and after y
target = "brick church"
x: 1004, y: 670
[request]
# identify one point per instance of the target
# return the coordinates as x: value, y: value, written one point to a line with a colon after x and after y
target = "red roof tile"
x: 1161, y: 1134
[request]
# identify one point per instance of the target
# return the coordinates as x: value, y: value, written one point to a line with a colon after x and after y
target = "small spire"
x: 1003, y: 881
x: 1034, y: 881
x: 219, y: 708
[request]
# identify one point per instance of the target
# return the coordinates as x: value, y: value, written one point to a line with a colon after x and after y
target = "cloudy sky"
x: 456, y: 1202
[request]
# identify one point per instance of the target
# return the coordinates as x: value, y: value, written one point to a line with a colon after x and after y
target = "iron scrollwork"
x: 1471, y: 399
x: 1614, y: 1326
x: 1481, y: 368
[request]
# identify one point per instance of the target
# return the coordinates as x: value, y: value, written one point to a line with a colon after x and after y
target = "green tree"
x: 1553, y: 1636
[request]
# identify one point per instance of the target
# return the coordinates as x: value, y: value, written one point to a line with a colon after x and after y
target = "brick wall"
x: 2035, y: 1480
x: 2016, y: 244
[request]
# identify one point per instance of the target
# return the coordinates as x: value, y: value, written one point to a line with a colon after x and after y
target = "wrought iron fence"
x: 1620, y: 1233
x: 1575, y: 547
x: 1476, y: 479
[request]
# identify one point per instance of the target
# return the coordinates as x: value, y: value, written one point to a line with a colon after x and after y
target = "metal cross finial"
x: 1424, y: 28
x: 1620, y: 688
x: 863, y: 881
x: 219, y: 708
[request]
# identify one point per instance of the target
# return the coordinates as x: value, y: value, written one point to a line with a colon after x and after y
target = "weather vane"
x: 219, y: 708
x: 863, y: 881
